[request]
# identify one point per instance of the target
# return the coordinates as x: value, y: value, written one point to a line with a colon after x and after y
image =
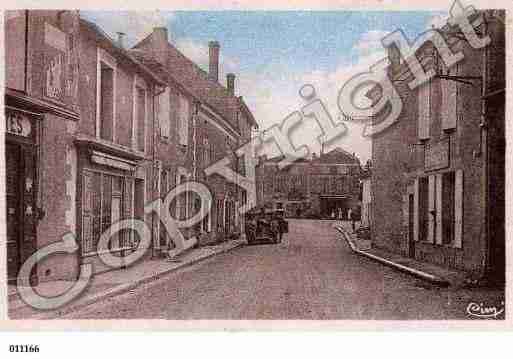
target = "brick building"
x: 315, y: 187
x: 95, y: 131
x: 439, y: 170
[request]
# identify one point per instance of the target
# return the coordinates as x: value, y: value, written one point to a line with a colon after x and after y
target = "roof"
x: 339, y: 156
x: 335, y: 156
x: 109, y: 44
x: 196, y: 80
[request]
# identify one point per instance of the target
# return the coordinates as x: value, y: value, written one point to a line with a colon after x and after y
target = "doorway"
x: 13, y: 189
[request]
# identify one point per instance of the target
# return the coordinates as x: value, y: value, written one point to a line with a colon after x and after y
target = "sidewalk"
x: 427, y: 271
x: 112, y: 283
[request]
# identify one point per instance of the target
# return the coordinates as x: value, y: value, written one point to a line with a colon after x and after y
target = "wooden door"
x: 13, y: 171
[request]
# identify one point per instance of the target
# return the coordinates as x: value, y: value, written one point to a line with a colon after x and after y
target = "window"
x: 106, y: 102
x: 440, y: 208
x: 164, y: 114
x: 106, y: 199
x: 447, y: 215
x: 183, y: 121
x: 141, y: 117
x: 105, y: 95
x: 424, y: 115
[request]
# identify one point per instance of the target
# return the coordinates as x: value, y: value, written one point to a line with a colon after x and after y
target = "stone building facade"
x: 318, y: 187
x: 220, y: 123
x: 95, y: 131
x: 439, y: 170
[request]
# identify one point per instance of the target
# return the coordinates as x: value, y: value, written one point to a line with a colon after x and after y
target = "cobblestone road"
x: 311, y: 275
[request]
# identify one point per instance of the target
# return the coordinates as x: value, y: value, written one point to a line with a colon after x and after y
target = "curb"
x: 123, y: 288
x: 414, y: 272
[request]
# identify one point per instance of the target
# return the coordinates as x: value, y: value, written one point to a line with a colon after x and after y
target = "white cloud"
x: 272, y: 94
x: 437, y: 21
x: 135, y: 24
x: 370, y: 42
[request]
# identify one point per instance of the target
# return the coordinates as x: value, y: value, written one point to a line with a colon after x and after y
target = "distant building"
x: 438, y: 173
x: 319, y: 187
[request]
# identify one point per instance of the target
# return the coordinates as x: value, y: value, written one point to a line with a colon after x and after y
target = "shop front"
x: 111, y: 185
x: 21, y: 163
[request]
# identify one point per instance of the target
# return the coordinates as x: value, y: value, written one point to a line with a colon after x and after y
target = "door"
x: 14, y: 221
x: 411, y: 241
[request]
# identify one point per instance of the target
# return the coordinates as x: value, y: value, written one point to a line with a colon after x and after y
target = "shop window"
x: 106, y: 199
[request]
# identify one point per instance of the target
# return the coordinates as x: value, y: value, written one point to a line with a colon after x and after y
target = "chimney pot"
x: 121, y: 39
x: 213, y: 56
x: 230, y: 83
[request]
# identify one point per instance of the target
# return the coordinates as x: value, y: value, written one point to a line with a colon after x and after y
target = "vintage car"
x: 265, y: 226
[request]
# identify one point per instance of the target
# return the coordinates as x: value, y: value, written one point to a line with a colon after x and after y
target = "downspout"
x: 154, y: 150
x: 484, y: 147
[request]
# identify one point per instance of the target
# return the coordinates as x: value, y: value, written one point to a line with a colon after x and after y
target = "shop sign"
x: 437, y: 156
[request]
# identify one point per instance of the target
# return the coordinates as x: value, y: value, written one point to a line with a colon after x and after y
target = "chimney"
x: 160, y: 44
x: 394, y: 55
x: 230, y: 83
x: 121, y: 39
x: 213, y: 57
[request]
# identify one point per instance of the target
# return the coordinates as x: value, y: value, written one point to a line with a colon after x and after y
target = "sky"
x: 275, y: 53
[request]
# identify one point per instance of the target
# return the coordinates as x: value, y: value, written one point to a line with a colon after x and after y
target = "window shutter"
x: 405, y: 212
x: 424, y: 101
x: 87, y: 213
x: 449, y: 104
x: 438, y: 202
x: 164, y: 114
x: 183, y: 120
x: 416, y: 211
x: 431, y: 207
x: 458, y: 209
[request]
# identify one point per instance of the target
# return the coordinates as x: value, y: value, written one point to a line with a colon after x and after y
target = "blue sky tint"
x: 273, y: 53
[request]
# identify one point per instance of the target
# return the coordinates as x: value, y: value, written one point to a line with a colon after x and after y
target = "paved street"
x: 311, y: 275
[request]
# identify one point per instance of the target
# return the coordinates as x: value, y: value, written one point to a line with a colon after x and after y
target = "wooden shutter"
x: 164, y: 114
x: 431, y: 207
x: 438, y: 200
x: 405, y: 212
x: 183, y: 120
x: 128, y: 211
x: 449, y: 103
x: 87, y: 213
x: 458, y: 209
x: 424, y: 111
x: 416, y: 210
x: 29, y: 236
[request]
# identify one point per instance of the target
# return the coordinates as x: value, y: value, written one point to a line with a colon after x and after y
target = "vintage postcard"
x: 216, y: 168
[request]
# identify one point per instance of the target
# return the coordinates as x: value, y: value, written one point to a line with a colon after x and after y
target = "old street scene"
x: 216, y: 165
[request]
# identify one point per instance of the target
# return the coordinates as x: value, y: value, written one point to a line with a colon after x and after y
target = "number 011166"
x: 24, y: 348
